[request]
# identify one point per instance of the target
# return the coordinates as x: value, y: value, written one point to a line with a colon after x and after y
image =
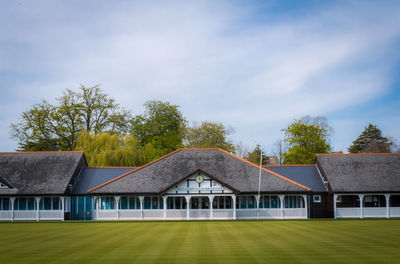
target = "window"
x: 316, y: 198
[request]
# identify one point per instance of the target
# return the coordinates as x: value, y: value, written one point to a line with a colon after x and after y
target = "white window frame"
x: 317, y: 198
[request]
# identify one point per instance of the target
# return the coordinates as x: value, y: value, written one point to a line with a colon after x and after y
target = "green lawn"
x: 350, y: 241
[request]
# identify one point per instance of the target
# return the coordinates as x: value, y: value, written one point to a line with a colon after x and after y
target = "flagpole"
x: 259, y: 185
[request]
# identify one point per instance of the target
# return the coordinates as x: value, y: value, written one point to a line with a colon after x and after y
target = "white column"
x: 387, y: 197
x: 37, y: 208
x: 234, y: 206
x: 211, y: 199
x: 62, y: 208
x: 282, y: 200
x: 361, y: 197
x: 12, y: 199
x: 305, y: 204
x: 165, y: 206
x: 117, y: 198
x: 187, y: 197
x: 258, y: 206
x: 97, y: 207
x: 335, y: 196
x: 141, y: 199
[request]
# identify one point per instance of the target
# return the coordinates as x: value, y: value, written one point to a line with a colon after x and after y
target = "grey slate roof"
x: 305, y: 175
x: 41, y: 173
x: 89, y: 178
x: 361, y: 173
x: 161, y: 174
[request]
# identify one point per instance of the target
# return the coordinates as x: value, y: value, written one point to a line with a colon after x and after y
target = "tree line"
x: 90, y: 120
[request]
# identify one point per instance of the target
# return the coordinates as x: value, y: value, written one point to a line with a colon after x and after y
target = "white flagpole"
x: 259, y: 184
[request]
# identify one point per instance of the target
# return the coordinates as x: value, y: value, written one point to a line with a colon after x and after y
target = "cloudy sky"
x: 253, y: 65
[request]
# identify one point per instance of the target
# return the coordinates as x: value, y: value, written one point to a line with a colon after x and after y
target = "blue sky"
x: 253, y: 65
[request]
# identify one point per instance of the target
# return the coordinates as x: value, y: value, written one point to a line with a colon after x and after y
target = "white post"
x: 282, y: 200
x: 387, y: 197
x: 165, y: 206
x: 37, y: 208
x: 97, y: 207
x: 117, y: 198
x: 12, y: 208
x: 141, y: 198
x: 361, y: 197
x: 234, y: 206
x: 211, y: 200
x: 305, y: 204
x: 258, y: 205
x: 335, y: 196
x: 62, y: 208
x: 187, y: 197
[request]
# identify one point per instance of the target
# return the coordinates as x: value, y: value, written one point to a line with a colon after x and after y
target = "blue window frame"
x: 22, y: 204
x: 147, y: 203
x: 107, y: 203
x: 47, y: 203
x: 56, y: 203
x: 6, y: 204
x: 123, y: 203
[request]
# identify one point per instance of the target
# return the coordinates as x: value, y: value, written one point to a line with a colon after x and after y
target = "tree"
x: 241, y: 150
x: 208, y: 135
x: 304, y: 140
x: 160, y: 129
x: 254, y: 156
x: 109, y: 149
x: 371, y: 141
x: 56, y: 127
x: 278, y: 150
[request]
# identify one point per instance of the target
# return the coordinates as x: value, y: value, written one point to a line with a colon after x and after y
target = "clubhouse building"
x: 191, y: 184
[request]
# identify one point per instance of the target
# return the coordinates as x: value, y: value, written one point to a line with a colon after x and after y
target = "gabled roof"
x: 158, y: 175
x: 361, y: 172
x: 91, y: 177
x: 43, y: 173
x: 307, y: 175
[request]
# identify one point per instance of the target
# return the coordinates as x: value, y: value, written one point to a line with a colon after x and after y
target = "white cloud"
x: 210, y: 58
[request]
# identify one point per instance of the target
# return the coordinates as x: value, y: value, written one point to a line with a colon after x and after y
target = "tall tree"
x: 371, y: 140
x: 278, y: 150
x: 160, y: 129
x: 254, y: 156
x: 109, y: 149
x: 304, y: 141
x: 56, y: 127
x: 208, y: 135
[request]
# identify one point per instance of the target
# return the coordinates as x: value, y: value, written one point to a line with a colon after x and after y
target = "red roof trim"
x: 289, y: 165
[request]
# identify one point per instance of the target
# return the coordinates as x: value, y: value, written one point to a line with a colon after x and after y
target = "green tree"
x: 208, y: 135
x: 109, y: 149
x: 371, y: 140
x: 254, y: 156
x: 160, y: 129
x: 56, y: 127
x: 303, y: 141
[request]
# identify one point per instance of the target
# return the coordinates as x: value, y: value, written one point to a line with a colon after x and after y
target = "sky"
x: 253, y: 65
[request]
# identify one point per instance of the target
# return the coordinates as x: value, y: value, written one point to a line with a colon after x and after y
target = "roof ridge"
x: 129, y: 172
x: 269, y: 171
x: 344, y: 154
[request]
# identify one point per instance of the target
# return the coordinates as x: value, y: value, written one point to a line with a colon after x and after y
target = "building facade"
x: 194, y: 184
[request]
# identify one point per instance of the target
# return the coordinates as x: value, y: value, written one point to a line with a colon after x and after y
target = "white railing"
x: 270, y: 213
x: 375, y: 212
x: 294, y: 213
x: 106, y: 214
x: 176, y: 214
x: 199, y: 214
x: 51, y: 215
x: 25, y: 215
x: 394, y: 211
x: 153, y: 214
x: 246, y: 213
x: 129, y: 214
x: 5, y: 215
x: 350, y: 212
x: 222, y: 213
